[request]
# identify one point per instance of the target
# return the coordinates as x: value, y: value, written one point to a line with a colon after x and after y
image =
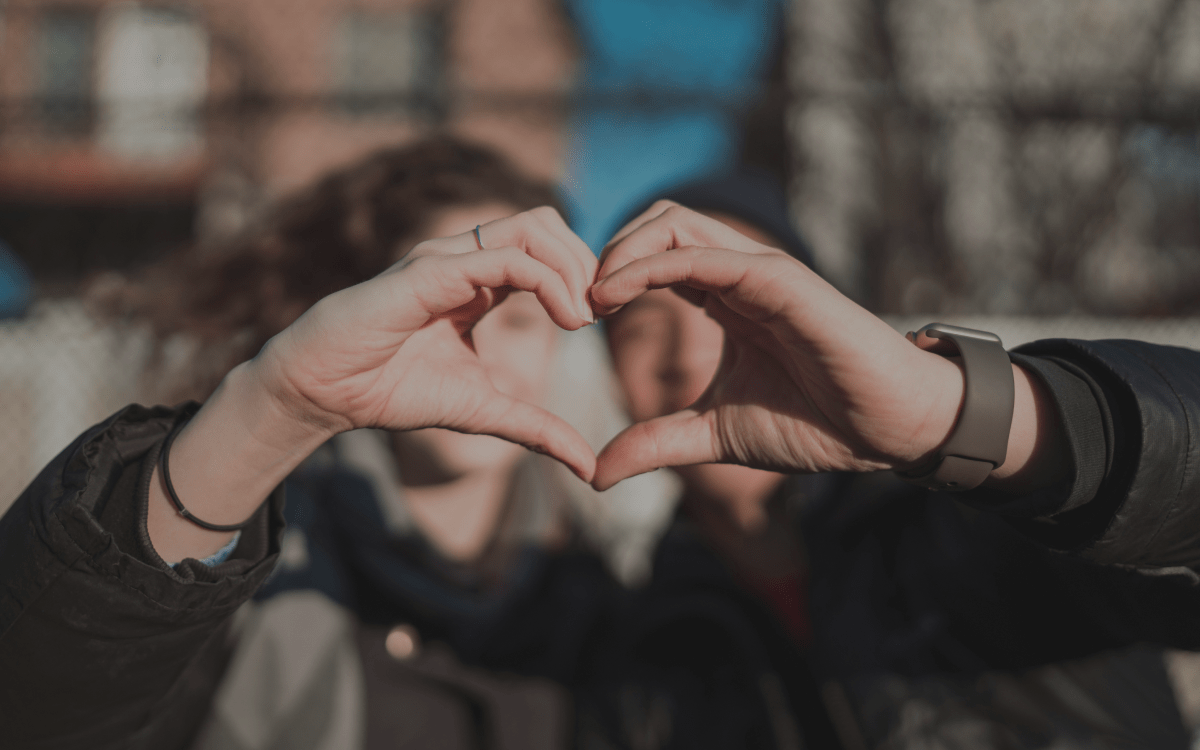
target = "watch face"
x: 946, y: 328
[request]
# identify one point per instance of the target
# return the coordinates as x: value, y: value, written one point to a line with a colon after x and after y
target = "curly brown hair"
x: 348, y: 227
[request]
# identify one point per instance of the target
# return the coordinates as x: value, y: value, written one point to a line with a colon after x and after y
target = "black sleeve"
x: 1132, y: 414
x: 102, y: 644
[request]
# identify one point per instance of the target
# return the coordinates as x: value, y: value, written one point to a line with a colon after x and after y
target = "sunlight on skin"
x: 385, y: 353
x: 850, y: 412
x: 456, y: 485
x: 666, y: 351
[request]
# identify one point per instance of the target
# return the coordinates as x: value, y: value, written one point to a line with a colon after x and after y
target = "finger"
x: 674, y: 228
x: 544, y: 236
x: 558, y: 226
x: 541, y: 233
x: 580, y: 252
x: 536, y: 429
x: 442, y: 284
x: 759, y: 285
x: 678, y: 439
x: 656, y: 209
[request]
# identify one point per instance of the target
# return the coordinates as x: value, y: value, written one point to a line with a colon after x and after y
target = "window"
x: 62, y: 68
x: 388, y: 62
x: 152, y: 80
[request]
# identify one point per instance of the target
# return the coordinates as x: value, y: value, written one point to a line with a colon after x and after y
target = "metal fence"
x: 947, y: 158
x: 1002, y: 157
x: 60, y: 372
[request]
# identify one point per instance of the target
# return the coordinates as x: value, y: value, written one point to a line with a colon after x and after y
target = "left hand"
x: 395, y: 352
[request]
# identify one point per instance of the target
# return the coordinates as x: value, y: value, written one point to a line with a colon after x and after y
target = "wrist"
x: 1038, y: 454
x: 943, y: 385
x: 268, y: 382
x: 224, y: 463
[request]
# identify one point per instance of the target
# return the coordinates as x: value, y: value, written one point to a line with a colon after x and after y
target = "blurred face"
x: 666, y: 351
x: 515, y: 343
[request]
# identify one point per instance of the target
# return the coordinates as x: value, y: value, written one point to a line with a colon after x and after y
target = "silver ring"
x: 478, y: 239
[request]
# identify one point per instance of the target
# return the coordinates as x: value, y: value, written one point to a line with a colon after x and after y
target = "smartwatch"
x: 979, y: 440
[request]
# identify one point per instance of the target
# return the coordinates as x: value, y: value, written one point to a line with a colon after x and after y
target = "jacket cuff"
x: 1083, y: 419
x: 81, y: 525
x: 94, y: 631
x: 222, y: 554
x: 1144, y: 513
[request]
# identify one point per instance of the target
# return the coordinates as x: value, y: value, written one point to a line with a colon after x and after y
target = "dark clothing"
x: 1041, y: 578
x: 521, y: 608
x: 692, y: 649
x: 945, y: 590
x: 103, y: 645
x: 696, y: 661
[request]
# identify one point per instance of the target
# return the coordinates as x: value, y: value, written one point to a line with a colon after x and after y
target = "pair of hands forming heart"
x: 808, y: 381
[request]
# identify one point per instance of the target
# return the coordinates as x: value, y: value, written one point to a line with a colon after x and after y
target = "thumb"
x: 538, y: 430
x: 679, y: 439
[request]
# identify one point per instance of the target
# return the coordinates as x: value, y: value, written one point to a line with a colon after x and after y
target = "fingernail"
x: 586, y: 313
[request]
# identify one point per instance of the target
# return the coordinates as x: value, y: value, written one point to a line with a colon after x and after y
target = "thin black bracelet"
x: 166, y: 475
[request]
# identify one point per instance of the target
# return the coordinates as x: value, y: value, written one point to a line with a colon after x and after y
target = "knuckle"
x: 524, y: 228
x: 528, y: 218
x: 422, y: 263
x: 674, y: 211
x: 431, y: 248
x: 781, y: 261
x: 421, y: 250
x: 546, y: 213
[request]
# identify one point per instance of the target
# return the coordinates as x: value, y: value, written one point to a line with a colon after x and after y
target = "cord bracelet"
x: 174, y: 498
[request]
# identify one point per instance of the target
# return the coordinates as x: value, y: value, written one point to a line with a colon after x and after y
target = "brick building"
x: 126, y: 128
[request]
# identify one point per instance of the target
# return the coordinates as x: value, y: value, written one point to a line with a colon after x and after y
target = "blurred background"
x: 1029, y: 167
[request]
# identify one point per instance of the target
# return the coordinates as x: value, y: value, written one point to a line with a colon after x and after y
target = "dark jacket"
x: 103, y: 645
x: 1022, y: 621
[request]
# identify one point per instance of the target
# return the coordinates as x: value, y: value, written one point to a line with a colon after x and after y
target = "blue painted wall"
x: 16, y: 285
x: 661, y: 89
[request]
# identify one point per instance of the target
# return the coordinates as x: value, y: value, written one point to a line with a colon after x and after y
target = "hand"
x: 808, y: 381
x: 395, y: 352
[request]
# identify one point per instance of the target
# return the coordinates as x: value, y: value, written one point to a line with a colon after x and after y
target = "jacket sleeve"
x: 1132, y: 415
x: 102, y: 644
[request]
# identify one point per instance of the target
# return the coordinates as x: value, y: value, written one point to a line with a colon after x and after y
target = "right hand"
x: 808, y: 381
x: 395, y: 352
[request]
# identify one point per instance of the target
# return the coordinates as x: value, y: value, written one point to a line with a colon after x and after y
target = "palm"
x: 395, y: 352
x: 437, y: 382
x: 760, y: 417
x: 813, y: 408
x: 808, y: 380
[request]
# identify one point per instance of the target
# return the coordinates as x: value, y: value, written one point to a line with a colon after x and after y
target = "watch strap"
x: 979, y: 440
